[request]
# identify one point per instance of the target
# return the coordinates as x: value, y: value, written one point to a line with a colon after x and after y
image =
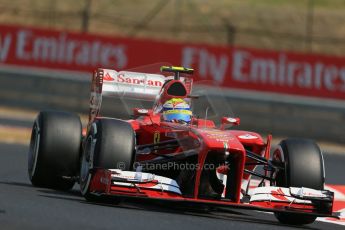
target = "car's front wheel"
x: 303, y: 167
x: 53, y: 158
x: 110, y: 144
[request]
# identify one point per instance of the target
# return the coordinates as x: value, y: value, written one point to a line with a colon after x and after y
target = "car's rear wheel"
x: 53, y: 158
x: 110, y: 145
x: 304, y: 167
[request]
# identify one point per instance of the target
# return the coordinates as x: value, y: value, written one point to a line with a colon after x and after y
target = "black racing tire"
x: 304, y: 167
x: 53, y: 159
x: 113, y: 145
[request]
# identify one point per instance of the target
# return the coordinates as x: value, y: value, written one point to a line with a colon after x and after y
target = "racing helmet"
x: 177, y: 110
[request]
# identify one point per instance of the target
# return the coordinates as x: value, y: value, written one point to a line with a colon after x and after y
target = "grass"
x: 268, y: 24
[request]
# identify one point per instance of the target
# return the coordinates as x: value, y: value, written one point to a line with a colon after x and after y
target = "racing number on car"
x: 156, y: 137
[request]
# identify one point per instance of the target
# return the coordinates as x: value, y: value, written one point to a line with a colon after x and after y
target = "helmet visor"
x: 177, y: 114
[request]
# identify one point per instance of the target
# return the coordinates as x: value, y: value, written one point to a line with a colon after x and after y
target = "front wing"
x: 128, y: 184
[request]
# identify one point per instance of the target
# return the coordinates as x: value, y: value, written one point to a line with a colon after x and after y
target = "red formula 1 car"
x: 171, y: 154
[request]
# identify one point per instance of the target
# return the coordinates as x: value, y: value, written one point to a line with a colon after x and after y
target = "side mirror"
x: 229, y: 120
x: 141, y: 112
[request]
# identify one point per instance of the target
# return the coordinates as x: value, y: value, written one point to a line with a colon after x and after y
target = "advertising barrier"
x: 231, y: 67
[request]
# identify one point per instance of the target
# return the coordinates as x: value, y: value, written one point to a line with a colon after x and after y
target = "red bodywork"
x: 203, y: 137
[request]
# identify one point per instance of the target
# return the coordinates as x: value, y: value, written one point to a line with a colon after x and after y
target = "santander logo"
x: 107, y: 77
x: 134, y: 78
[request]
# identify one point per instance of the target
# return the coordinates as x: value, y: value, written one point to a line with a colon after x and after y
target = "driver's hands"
x: 182, y: 122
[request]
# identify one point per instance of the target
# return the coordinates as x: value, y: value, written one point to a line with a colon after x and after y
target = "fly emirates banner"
x: 231, y: 67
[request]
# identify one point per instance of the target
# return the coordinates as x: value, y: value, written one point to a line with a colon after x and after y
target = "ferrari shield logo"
x: 156, y: 137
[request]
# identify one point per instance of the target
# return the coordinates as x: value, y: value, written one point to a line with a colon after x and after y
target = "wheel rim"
x: 86, y: 166
x: 278, y: 156
x: 33, y: 150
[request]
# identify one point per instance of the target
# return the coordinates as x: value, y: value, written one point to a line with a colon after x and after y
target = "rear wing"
x: 132, y: 85
x: 127, y: 84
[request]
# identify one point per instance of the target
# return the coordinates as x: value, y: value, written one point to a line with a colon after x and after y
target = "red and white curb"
x: 339, y: 204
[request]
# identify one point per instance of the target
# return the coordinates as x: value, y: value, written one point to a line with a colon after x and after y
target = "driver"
x: 177, y: 110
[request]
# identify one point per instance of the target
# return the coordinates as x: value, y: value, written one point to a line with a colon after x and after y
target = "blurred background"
x: 307, y: 31
x: 310, y: 26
